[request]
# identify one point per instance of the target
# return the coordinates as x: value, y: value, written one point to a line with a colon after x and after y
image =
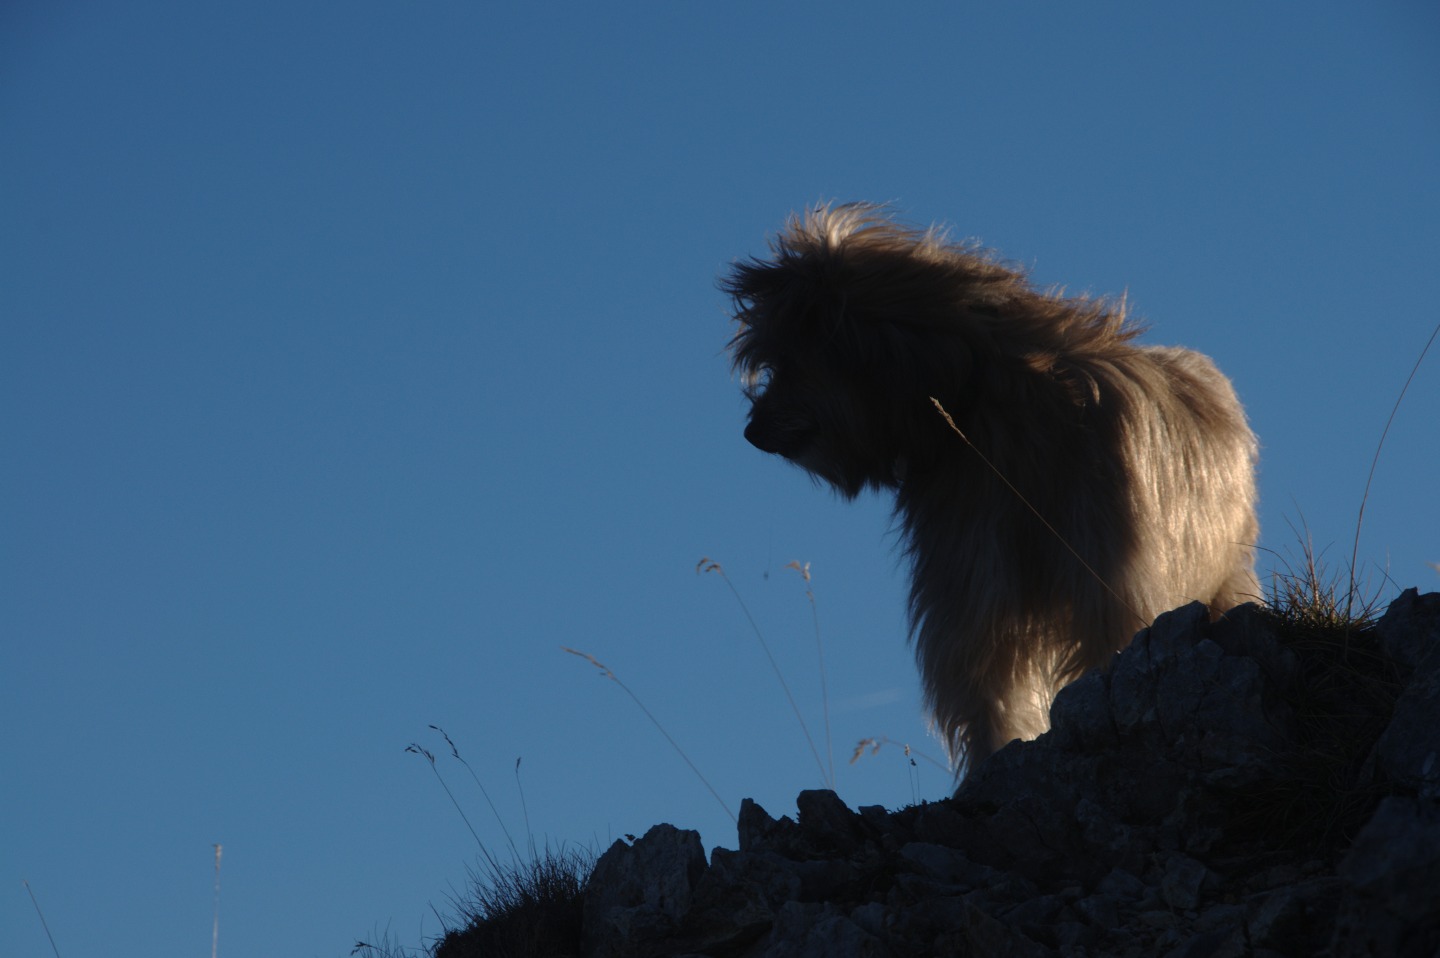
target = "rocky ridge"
x: 1244, y: 787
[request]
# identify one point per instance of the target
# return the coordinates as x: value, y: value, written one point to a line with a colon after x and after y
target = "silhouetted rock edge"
x: 1223, y: 789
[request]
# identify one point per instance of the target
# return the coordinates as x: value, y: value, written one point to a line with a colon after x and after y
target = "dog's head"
x: 805, y: 408
x: 839, y: 346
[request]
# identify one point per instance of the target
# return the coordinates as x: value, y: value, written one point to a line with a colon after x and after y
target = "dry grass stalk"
x: 605, y: 672
x: 455, y: 752
x: 804, y: 571
x: 707, y: 564
x: 34, y: 901
x: 417, y: 749
x: 1365, y: 497
x: 215, y: 930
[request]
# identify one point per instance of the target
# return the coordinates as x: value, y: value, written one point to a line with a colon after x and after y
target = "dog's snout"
x: 761, y: 437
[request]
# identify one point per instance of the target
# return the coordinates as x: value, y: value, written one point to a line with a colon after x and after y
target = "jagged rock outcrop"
x: 1245, y: 787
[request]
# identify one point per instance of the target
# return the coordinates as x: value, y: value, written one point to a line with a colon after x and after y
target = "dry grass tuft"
x: 523, y: 910
x: 1306, y: 594
x: 523, y: 907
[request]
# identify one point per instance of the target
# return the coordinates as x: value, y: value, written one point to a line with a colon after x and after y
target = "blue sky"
x: 356, y: 358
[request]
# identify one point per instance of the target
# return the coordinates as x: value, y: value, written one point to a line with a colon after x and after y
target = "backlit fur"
x: 1138, y: 457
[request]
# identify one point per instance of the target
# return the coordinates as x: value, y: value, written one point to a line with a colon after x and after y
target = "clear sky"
x: 357, y: 357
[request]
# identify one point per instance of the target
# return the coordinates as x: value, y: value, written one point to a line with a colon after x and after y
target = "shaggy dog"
x: 1084, y: 484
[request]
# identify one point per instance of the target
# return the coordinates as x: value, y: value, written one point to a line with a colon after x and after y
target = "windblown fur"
x: 1138, y: 458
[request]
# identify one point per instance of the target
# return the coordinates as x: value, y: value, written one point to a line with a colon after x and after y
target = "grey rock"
x: 1122, y: 886
x: 1395, y: 861
x: 1291, y: 919
x: 1220, y: 943
x: 1099, y: 910
x: 825, y: 818
x: 1410, y: 630
x: 1080, y: 716
x: 1181, y: 805
x: 642, y: 890
x: 1408, y: 752
x: 757, y: 829
x: 819, y: 931
x: 949, y: 865
x: 1182, y: 881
